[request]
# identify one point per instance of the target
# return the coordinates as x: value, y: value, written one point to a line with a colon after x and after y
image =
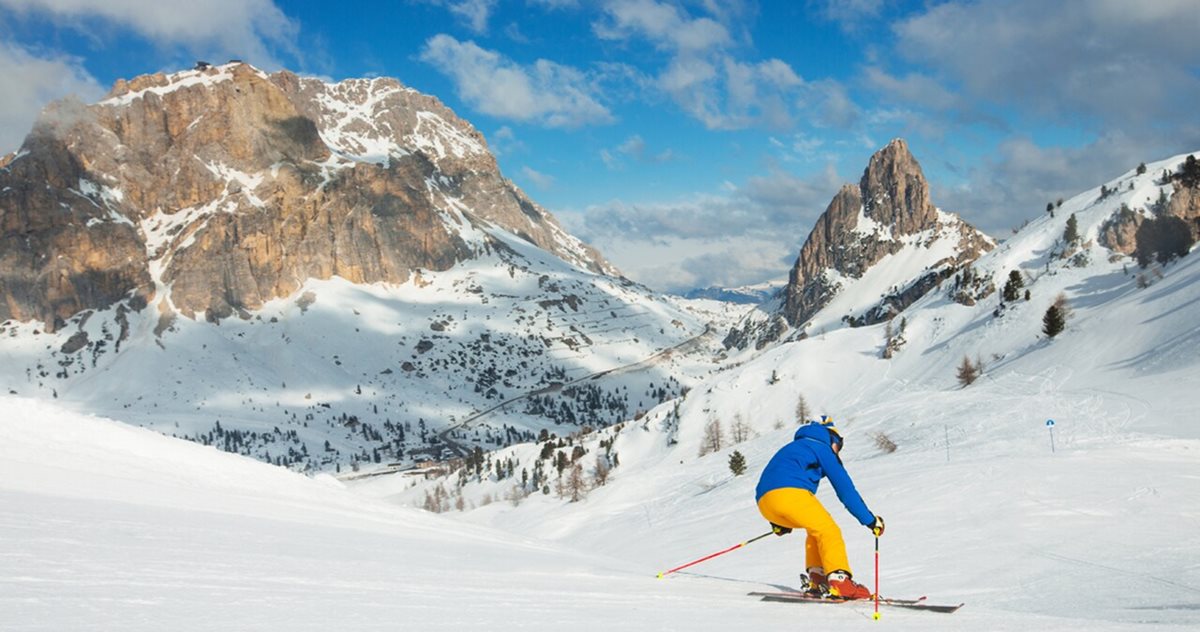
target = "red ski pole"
x: 877, y: 575
x: 709, y: 557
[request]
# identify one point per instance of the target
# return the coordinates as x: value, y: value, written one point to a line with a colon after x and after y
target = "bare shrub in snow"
x: 713, y: 438
x: 802, y: 410
x: 740, y: 431
x: 601, y: 471
x: 884, y: 442
x: 967, y: 372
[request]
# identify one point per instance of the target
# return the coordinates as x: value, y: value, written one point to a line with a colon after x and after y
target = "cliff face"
x: 214, y: 190
x: 888, y: 210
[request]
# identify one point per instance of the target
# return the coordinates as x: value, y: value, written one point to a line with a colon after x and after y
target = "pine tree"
x: 1012, y: 289
x: 1071, y: 234
x: 1190, y: 176
x: 1141, y: 169
x: 737, y: 463
x: 1053, y: 322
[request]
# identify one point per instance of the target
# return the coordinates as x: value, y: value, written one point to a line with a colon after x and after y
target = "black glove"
x: 876, y: 527
x: 778, y: 530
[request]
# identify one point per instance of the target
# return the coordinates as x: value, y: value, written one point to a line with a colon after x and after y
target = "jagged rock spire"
x: 884, y: 212
x: 895, y: 192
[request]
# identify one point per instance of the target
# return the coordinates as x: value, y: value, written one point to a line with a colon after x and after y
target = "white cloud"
x: 663, y: 24
x: 1015, y: 184
x: 554, y: 4
x: 1106, y: 60
x: 914, y: 88
x: 679, y: 265
x: 701, y: 74
x: 1122, y: 75
x: 248, y: 29
x: 31, y: 81
x: 505, y: 142
x: 544, y: 93
x: 539, y: 179
x: 682, y: 243
x: 633, y: 148
x: 849, y: 13
x: 476, y: 13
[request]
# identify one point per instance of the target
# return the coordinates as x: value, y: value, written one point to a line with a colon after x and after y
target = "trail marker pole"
x: 709, y: 557
x: 1050, y: 425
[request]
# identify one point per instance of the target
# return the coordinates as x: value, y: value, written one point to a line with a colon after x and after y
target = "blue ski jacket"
x: 803, y: 462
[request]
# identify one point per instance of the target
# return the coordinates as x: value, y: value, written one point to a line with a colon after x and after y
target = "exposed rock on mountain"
x: 888, y: 212
x: 212, y: 191
x: 1177, y: 206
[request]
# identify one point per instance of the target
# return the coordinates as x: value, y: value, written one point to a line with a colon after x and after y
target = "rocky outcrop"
x: 888, y: 210
x: 214, y: 190
x: 1119, y: 232
x: 1185, y: 204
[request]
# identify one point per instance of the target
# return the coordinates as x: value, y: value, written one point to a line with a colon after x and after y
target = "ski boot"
x: 814, y: 583
x: 841, y: 586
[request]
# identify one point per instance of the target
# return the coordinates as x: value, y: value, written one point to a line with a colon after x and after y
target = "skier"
x: 786, y: 498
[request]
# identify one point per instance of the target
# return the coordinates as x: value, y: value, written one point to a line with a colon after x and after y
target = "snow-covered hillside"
x: 108, y: 527
x: 104, y: 526
x: 986, y: 502
x: 486, y: 354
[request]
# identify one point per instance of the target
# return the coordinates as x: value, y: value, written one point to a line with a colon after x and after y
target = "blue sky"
x: 694, y: 142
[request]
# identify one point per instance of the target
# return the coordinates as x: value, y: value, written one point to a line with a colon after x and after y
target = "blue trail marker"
x: 1050, y: 425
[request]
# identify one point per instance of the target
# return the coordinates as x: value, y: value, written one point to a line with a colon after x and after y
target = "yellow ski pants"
x: 799, y: 509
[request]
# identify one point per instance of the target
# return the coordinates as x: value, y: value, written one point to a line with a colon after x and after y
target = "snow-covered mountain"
x: 315, y: 274
x: 209, y: 192
x: 880, y: 245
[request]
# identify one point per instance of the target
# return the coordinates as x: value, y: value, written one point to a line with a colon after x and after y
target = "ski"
x: 799, y: 596
x: 910, y: 604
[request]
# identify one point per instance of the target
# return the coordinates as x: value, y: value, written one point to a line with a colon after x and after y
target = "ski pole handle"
x: 709, y: 557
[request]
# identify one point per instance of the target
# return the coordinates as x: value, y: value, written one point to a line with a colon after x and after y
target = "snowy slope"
x: 981, y: 506
x: 106, y: 527
x: 103, y: 527
x: 340, y: 374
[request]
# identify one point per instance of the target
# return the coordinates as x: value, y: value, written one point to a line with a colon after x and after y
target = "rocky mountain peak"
x: 887, y: 212
x: 895, y: 192
x: 213, y: 190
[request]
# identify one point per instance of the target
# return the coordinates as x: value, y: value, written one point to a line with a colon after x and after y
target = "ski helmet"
x: 835, y: 437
